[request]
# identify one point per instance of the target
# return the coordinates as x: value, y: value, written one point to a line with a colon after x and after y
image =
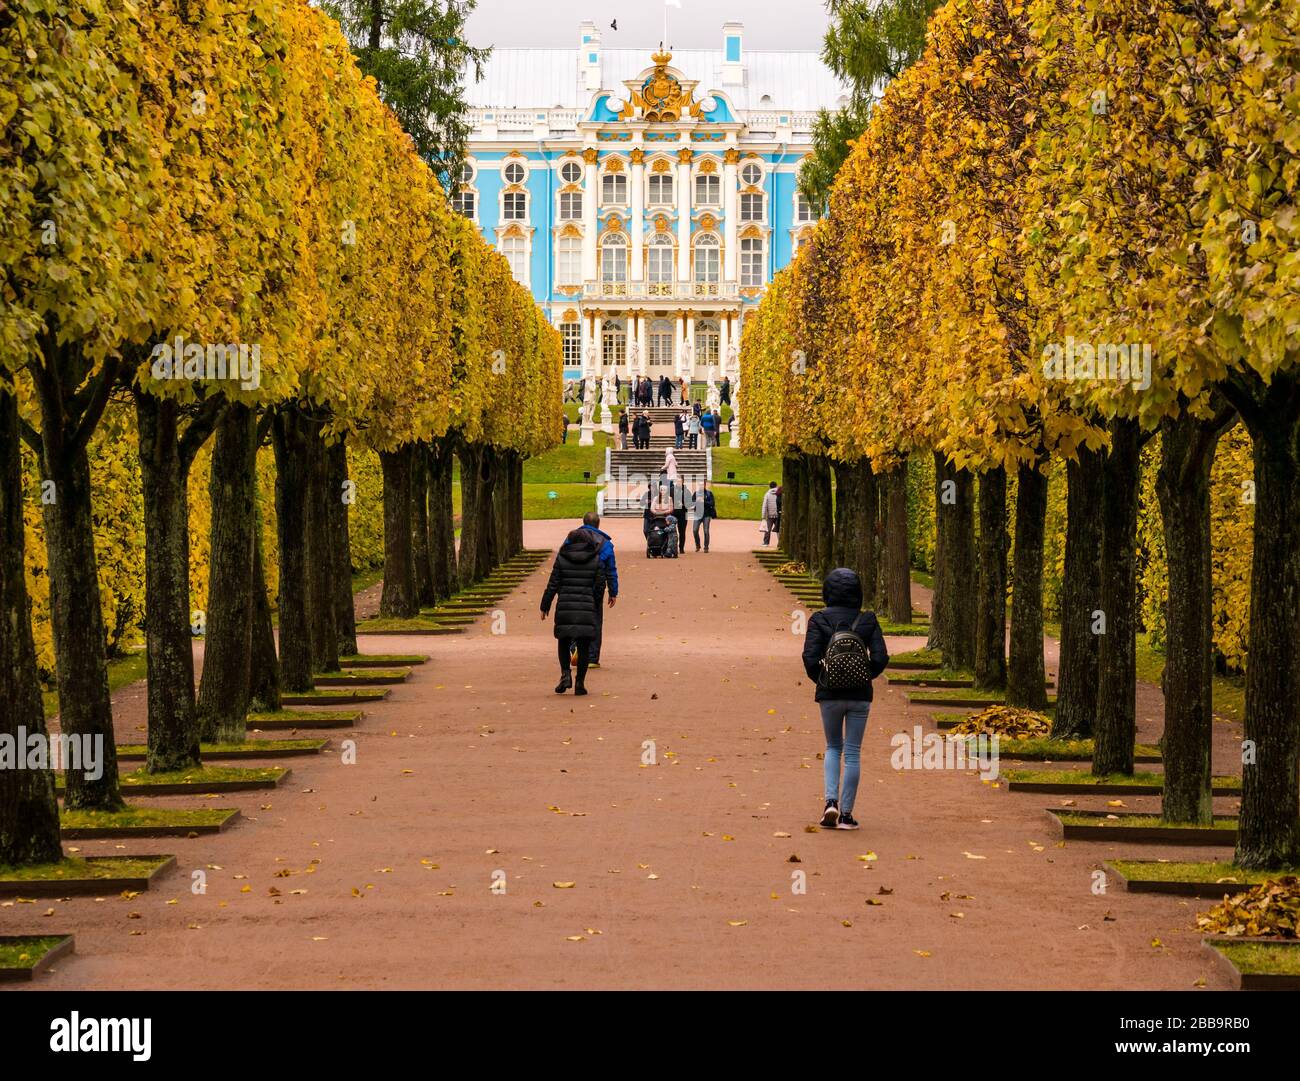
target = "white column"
x: 585, y: 324
x: 724, y: 340
x: 684, y: 215
x: 690, y: 338
x: 643, y: 339
x: 638, y: 215
x: 730, y: 210
x: 590, y: 197
x: 597, y: 330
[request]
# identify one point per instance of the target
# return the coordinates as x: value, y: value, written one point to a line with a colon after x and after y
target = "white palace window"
x: 708, y: 258
x: 613, y: 258
x: 613, y: 189
x: 568, y: 260
x: 659, y: 258
x: 659, y: 189
x: 751, y: 261
x: 659, y: 344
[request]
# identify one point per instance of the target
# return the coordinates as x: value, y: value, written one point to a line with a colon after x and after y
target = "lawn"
x: 565, y: 464
x: 756, y: 469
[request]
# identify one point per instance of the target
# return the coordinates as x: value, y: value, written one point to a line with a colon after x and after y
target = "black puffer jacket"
x: 842, y: 593
x: 577, y: 580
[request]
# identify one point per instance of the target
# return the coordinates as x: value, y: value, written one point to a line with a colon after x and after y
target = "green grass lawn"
x: 1261, y: 958
x: 144, y: 816
x: 1175, y: 871
x: 756, y: 469
x: 27, y: 952
x: 74, y: 867
x: 565, y: 464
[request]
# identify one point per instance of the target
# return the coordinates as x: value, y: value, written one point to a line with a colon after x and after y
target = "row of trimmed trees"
x: 209, y: 213
x: 1069, y: 229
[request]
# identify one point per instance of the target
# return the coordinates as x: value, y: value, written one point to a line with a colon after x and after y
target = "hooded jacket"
x: 606, y: 555
x: 577, y: 579
x: 842, y: 594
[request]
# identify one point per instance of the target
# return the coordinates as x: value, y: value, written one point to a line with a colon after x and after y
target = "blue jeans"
x: 845, y: 723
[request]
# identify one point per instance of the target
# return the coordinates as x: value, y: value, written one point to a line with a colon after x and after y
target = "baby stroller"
x: 661, y: 541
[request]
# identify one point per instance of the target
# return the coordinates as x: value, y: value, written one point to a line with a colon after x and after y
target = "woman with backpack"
x: 576, y: 585
x: 843, y: 651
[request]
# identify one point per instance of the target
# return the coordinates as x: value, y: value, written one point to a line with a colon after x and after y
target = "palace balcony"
x: 643, y: 291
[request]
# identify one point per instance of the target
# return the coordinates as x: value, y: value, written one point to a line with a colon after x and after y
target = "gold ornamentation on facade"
x: 661, y: 225
x: 660, y: 97
x: 731, y: 156
x: 614, y: 165
x: 708, y: 221
x: 613, y: 224
x: 571, y: 230
x: 637, y: 155
x: 708, y: 167
x: 569, y: 316
x: 661, y: 165
x: 750, y: 231
x: 685, y: 154
x: 591, y: 155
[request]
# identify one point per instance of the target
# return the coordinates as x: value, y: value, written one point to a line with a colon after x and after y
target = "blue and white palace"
x: 646, y: 205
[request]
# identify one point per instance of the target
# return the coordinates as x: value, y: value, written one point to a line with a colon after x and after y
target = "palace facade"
x: 645, y: 197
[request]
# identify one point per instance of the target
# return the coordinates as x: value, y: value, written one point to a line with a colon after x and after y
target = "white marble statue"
x: 588, y: 405
x: 687, y: 358
x: 714, y: 399
x: 608, y: 398
x: 590, y: 363
x: 733, y: 360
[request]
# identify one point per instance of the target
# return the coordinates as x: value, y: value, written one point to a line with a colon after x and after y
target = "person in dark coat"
x: 844, y: 711
x: 576, y: 585
x: 622, y: 429
x: 724, y: 392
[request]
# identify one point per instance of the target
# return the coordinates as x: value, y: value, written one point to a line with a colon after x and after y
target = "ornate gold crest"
x: 661, y: 98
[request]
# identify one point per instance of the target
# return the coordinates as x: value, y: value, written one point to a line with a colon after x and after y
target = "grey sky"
x: 769, y: 24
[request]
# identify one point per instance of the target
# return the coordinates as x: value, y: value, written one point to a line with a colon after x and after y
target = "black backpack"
x: 846, y: 663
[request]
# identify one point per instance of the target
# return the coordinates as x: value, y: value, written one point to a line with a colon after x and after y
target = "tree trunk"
x: 337, y: 488
x: 169, y: 652
x: 1183, y: 486
x: 1269, y: 831
x: 442, y: 529
x: 421, y: 554
x: 794, y: 520
x: 398, y: 600
x: 490, y: 553
x: 232, y: 487
x: 1116, y: 727
x: 1076, y: 703
x: 1026, y: 676
x: 29, y: 814
x: 477, y: 539
x: 942, y: 593
x: 321, y: 561
x: 76, y: 618
x: 991, y: 601
x: 290, y: 434
x: 820, y: 516
x: 264, y: 665
x: 897, y: 562
x: 955, y: 594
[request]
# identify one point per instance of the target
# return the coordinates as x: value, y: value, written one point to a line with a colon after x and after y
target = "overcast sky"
x: 769, y: 24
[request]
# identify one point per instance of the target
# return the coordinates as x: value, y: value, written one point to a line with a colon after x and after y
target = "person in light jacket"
x: 769, y: 511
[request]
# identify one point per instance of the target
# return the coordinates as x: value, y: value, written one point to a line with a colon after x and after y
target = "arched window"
x: 613, y: 343
x: 570, y: 172
x: 659, y: 344
x: 613, y: 258
x: 708, y: 258
x: 659, y: 259
x: 706, y: 341
x: 568, y: 261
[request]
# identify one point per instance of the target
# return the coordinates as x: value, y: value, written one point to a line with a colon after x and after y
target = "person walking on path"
x: 685, y: 391
x: 665, y: 391
x: 670, y: 464
x: 622, y: 429
x: 576, y: 583
x: 677, y: 430
x: 608, y: 564
x: 769, y: 512
x: 843, y: 651
x: 724, y: 393
x: 706, y: 428
x: 703, y: 510
x: 693, y: 426
x: 717, y: 428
